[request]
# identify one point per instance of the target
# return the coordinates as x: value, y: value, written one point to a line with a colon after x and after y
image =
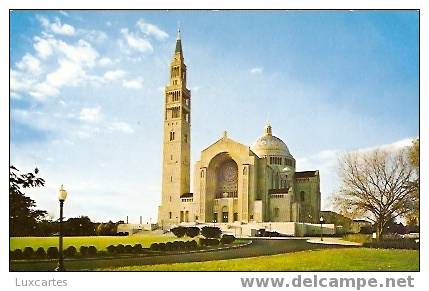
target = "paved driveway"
x: 259, y: 247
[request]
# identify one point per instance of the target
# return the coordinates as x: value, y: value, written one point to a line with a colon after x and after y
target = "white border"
x: 179, y: 280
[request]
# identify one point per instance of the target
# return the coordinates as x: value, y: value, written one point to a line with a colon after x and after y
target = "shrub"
x: 138, y: 248
x: 162, y: 247
x: 70, y: 251
x: 178, y: 231
x: 40, y: 253
x: 209, y: 241
x: 111, y: 249
x: 179, y: 245
x: 28, y: 253
x: 154, y: 247
x: 128, y: 249
x: 92, y: 251
x: 83, y: 250
x: 52, y: 252
x: 211, y: 232
x: 120, y: 249
x: 227, y: 239
x: 169, y: 246
x: 192, y: 231
x: 16, y: 254
x: 191, y: 245
x: 393, y: 244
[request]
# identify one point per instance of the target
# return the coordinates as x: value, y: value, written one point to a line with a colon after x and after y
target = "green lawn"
x: 350, y: 259
x: 100, y: 242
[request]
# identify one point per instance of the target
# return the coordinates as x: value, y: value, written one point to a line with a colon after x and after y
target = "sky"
x: 86, y: 94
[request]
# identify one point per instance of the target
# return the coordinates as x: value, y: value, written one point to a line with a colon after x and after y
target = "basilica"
x: 233, y: 183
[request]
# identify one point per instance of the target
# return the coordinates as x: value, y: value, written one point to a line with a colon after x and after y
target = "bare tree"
x: 376, y: 184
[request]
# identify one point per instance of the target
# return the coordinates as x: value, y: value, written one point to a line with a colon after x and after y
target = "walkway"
x: 333, y: 241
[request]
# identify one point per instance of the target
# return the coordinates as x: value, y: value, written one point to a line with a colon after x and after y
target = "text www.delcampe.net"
x: 316, y: 281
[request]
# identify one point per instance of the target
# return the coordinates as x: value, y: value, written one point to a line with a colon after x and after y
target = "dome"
x: 268, y: 144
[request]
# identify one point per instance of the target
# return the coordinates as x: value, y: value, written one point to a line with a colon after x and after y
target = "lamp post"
x: 321, y: 228
x: 61, y: 197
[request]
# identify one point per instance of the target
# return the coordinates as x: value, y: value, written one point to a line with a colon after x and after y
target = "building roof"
x: 268, y: 144
x: 187, y: 195
x: 178, y: 42
x: 306, y: 174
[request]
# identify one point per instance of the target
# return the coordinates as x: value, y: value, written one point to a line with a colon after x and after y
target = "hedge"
x: 393, y: 244
x: 40, y: 253
x: 174, y: 246
x: 178, y: 231
x: 209, y: 241
x: 70, y: 251
x: 28, y: 253
x: 92, y: 251
x: 52, y: 252
x: 16, y: 254
x: 83, y: 250
x: 211, y: 232
x: 227, y: 239
x: 192, y: 231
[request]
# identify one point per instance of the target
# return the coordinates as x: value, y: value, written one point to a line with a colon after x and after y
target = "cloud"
x: 29, y: 64
x: 151, y: 30
x: 256, y: 70
x: 90, y: 114
x: 20, y: 82
x: 68, y: 73
x: 43, y: 90
x: 105, y: 61
x: 133, y: 84
x: 73, y: 63
x: 42, y: 47
x: 121, y: 127
x: 93, y: 35
x: 114, y: 75
x: 135, y: 42
x: 56, y: 27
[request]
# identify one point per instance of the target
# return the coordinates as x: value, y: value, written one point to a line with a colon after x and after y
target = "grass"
x: 350, y: 259
x: 100, y: 242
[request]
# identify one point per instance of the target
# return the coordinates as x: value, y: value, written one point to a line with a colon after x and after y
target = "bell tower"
x: 177, y: 140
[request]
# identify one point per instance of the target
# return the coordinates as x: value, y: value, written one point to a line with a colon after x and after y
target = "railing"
x: 230, y: 194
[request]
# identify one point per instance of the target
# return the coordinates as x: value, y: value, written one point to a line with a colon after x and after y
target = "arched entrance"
x: 222, y: 188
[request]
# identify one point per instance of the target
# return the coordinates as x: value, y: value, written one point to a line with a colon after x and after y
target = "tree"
x: 79, y: 226
x: 23, y: 218
x: 414, y: 160
x: 377, y: 184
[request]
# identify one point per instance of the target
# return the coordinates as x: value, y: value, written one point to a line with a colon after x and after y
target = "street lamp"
x: 61, y: 197
x: 322, y: 221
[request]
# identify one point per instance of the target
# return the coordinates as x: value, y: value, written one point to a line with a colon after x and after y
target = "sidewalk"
x: 332, y: 241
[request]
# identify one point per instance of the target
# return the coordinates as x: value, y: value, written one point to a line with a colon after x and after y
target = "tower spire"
x: 178, y: 31
x: 178, y: 41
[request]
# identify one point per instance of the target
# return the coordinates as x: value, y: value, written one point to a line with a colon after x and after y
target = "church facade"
x: 233, y: 182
